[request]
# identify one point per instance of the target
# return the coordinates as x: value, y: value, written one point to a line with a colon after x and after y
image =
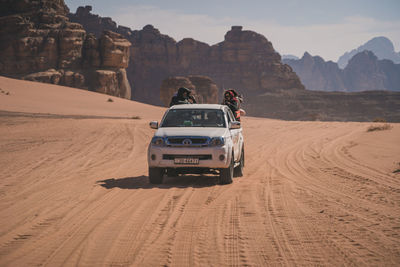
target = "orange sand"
x: 74, y: 190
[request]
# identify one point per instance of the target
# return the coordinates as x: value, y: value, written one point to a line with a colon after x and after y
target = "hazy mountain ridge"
x: 365, y: 72
x: 289, y: 57
x: 381, y: 46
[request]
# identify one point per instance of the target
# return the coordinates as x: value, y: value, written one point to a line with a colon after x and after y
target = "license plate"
x: 186, y: 160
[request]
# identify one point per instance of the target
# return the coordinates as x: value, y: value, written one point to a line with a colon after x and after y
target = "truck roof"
x: 198, y: 106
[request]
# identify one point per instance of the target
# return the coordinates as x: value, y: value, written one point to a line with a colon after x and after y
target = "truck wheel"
x: 238, y: 171
x: 156, y: 175
x: 226, y: 175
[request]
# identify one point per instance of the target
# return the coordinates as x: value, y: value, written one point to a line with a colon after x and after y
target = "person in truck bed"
x: 183, y: 96
x: 233, y: 103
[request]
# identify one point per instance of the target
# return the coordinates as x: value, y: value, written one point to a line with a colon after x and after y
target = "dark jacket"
x: 180, y: 99
x: 233, y: 104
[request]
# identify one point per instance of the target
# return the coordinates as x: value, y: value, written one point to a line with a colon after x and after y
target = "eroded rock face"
x: 245, y: 60
x: 38, y: 42
x: 203, y: 88
x: 114, y: 50
x: 93, y: 23
x: 171, y: 85
x: 112, y: 82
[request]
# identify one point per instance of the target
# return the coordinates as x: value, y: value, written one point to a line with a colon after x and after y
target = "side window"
x: 230, y: 115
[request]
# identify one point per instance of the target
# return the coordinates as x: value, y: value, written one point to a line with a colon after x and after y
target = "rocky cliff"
x: 38, y: 42
x: 365, y: 72
x: 245, y: 60
x: 93, y: 23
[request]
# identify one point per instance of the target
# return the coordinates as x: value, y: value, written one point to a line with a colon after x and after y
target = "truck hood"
x: 192, y: 131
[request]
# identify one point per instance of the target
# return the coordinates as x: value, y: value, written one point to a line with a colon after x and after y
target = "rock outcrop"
x: 93, y: 23
x: 39, y: 43
x: 245, y: 60
x: 365, y: 72
x: 203, y: 88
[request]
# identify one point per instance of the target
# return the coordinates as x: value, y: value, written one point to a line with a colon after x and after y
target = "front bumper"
x: 163, y: 156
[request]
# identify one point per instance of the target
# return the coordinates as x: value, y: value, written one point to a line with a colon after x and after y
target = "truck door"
x: 235, y: 133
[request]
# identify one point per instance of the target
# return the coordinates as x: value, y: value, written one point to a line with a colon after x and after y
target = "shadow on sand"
x: 195, y: 181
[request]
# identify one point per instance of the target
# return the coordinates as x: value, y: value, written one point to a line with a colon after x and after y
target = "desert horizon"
x: 74, y: 190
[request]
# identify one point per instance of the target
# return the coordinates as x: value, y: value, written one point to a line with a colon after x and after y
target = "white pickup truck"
x: 196, y: 139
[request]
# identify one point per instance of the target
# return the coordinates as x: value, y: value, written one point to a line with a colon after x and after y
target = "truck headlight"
x: 157, y: 141
x: 217, y: 141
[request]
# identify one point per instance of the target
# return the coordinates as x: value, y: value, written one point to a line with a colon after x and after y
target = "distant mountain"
x: 316, y: 74
x: 289, y: 57
x: 382, y: 47
x: 364, y: 72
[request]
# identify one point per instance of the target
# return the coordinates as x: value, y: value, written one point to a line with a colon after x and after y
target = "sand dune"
x: 74, y: 190
x: 33, y: 97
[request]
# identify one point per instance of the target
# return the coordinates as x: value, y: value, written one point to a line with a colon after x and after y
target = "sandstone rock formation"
x: 93, y: 23
x: 206, y: 90
x: 363, y: 73
x: 203, y: 88
x: 245, y: 60
x: 38, y: 42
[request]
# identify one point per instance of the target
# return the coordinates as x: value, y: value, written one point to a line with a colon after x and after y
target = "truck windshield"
x: 194, y: 118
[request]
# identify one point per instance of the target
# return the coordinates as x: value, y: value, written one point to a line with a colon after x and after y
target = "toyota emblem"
x: 187, y: 142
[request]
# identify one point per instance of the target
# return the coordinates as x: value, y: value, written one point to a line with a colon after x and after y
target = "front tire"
x: 226, y: 175
x: 238, y: 172
x: 156, y: 175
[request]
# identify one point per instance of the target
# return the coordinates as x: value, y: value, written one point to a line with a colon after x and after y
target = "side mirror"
x: 154, y: 124
x: 234, y: 125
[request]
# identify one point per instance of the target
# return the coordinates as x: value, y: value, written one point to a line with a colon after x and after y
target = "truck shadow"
x: 142, y: 182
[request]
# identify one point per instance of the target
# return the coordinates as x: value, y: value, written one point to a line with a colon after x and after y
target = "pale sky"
x: 327, y: 28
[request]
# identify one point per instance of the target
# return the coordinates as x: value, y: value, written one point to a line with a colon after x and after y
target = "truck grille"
x: 186, y: 141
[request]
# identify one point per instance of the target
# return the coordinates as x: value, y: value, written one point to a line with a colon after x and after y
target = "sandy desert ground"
x: 74, y: 190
